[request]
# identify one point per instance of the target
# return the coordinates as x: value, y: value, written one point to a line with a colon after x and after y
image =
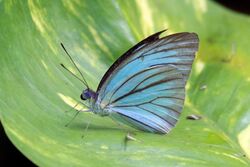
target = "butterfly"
x: 145, y: 87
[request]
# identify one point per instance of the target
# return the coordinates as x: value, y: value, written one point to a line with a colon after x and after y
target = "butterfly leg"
x: 72, y: 108
x: 85, y: 130
x: 129, y: 137
x: 77, y: 112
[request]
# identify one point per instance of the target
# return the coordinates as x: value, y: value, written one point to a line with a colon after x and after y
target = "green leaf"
x: 36, y: 91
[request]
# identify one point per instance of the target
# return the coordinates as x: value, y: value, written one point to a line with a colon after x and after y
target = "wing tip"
x: 194, y: 35
x: 154, y: 36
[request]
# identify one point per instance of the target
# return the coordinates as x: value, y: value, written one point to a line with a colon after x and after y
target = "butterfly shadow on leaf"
x: 92, y: 126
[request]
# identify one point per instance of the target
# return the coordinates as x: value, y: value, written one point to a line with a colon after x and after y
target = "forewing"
x: 144, y: 88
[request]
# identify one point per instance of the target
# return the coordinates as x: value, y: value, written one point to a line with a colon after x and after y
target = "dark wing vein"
x: 170, y: 49
x: 150, y: 101
x: 166, y: 107
x: 144, y: 88
x: 131, y: 77
x: 158, y: 115
x: 151, y: 76
x: 163, y: 64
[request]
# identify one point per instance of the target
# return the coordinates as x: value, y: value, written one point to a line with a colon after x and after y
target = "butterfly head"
x: 87, y: 94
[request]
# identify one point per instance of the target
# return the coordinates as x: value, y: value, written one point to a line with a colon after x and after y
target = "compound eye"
x: 83, y: 98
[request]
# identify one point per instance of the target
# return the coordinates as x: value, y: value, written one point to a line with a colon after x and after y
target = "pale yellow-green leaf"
x: 36, y: 91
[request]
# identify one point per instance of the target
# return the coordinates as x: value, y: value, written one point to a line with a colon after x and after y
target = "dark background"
x: 241, y: 6
x: 9, y: 155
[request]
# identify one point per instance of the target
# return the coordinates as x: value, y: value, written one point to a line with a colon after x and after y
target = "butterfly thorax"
x: 95, y: 105
x: 100, y: 109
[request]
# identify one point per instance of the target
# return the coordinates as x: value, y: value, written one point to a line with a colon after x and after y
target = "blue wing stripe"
x: 133, y: 76
x: 163, y: 111
x: 151, y: 76
x: 173, y: 88
x: 166, y: 97
x: 166, y: 107
x: 158, y: 115
x: 155, y: 114
x: 144, y: 88
x: 137, y: 98
x: 169, y: 118
x: 151, y: 102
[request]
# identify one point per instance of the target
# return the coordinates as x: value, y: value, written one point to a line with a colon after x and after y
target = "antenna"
x: 73, y: 74
x: 83, y: 81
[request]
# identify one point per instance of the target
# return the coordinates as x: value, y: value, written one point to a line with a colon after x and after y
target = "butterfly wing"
x: 145, y: 87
